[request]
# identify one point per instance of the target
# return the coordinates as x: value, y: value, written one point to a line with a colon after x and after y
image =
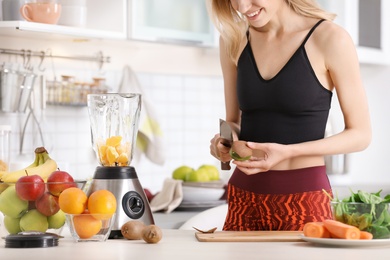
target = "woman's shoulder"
x: 241, y: 45
x: 330, y: 37
x: 332, y: 27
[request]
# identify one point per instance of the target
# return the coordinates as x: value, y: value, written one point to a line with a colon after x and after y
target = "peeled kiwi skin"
x: 240, y: 151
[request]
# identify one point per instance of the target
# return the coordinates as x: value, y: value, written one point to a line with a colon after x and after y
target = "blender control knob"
x: 133, y: 205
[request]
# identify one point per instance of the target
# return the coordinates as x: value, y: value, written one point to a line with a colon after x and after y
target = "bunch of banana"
x: 43, y: 165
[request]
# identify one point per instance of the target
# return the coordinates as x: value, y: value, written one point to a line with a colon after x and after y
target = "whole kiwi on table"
x: 137, y: 230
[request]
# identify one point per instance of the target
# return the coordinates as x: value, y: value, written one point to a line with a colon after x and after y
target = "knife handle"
x: 225, y: 166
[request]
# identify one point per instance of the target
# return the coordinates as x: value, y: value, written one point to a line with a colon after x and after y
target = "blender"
x: 114, y: 126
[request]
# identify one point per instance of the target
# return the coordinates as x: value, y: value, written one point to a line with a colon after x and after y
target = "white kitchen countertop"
x: 182, y: 244
x: 172, y: 220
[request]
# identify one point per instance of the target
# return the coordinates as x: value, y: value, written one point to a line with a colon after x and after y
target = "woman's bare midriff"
x: 300, y: 162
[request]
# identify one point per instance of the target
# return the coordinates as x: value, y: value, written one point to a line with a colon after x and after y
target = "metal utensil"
x: 226, y: 134
x: 25, y: 89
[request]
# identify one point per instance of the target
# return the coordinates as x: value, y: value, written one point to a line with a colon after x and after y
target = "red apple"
x: 149, y: 194
x: 47, y: 204
x: 59, y: 181
x: 31, y: 205
x: 30, y: 187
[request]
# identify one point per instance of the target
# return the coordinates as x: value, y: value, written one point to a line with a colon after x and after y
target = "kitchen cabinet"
x: 167, y: 21
x: 367, y: 24
x: 105, y: 20
x: 171, y: 21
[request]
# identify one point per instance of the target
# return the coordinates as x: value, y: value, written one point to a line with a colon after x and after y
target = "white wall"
x: 371, y: 166
x: 185, y: 85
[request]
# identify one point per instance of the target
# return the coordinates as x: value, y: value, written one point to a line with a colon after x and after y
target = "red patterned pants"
x: 282, y: 200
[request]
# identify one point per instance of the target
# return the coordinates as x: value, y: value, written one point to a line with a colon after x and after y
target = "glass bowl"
x: 90, y: 227
x: 374, y: 218
x: 30, y: 206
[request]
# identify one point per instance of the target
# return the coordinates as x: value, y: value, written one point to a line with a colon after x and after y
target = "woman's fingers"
x: 219, y: 148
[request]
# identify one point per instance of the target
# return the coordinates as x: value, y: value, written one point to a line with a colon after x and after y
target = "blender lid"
x: 115, y: 172
x: 31, y: 239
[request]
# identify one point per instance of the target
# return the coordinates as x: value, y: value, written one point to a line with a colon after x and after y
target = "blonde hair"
x: 232, y: 26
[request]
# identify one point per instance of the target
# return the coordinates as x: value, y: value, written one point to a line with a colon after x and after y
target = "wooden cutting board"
x: 250, y: 236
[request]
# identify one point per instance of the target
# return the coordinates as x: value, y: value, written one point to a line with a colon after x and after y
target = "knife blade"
x: 225, y: 131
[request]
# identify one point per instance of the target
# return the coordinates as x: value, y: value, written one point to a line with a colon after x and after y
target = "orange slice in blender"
x: 102, y: 153
x: 120, y: 149
x: 111, y: 155
x: 114, y: 141
x: 123, y: 159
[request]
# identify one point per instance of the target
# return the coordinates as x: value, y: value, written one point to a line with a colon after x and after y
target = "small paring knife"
x: 226, y: 134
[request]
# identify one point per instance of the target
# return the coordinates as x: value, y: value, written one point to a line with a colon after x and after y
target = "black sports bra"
x: 292, y: 107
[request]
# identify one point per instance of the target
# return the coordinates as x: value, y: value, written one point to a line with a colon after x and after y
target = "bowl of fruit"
x: 90, y: 227
x: 200, y: 185
x: 89, y: 217
x: 31, y: 203
x: 366, y: 211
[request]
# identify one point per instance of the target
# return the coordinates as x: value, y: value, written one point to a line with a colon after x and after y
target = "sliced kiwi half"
x: 240, y: 151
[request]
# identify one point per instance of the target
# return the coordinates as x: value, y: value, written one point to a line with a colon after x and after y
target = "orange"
x: 102, y: 152
x: 123, y: 159
x: 120, y: 149
x: 111, y: 155
x: 114, y: 140
x: 73, y: 201
x: 86, y: 226
x: 102, y: 202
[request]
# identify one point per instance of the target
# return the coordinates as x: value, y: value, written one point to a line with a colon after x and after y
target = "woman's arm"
x: 342, y: 64
x: 229, y: 72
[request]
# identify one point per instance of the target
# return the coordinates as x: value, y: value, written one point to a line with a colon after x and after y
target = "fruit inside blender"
x: 114, y: 152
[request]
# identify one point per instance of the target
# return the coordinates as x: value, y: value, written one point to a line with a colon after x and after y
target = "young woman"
x: 281, y: 61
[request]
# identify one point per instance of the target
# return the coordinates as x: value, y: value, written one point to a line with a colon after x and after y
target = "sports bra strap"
x: 312, y: 30
x: 307, y: 36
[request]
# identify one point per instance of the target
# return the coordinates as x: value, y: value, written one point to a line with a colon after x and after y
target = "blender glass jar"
x: 5, y: 132
x: 114, y: 126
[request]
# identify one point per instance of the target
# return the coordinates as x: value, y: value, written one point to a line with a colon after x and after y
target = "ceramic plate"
x: 347, y: 243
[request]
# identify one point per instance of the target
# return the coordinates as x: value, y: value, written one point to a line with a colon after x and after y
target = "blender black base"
x: 115, y: 234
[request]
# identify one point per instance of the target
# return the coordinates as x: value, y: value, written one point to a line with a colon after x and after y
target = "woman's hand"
x: 219, y: 148
x: 265, y: 157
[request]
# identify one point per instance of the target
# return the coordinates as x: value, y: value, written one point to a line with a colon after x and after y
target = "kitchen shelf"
x: 31, y: 29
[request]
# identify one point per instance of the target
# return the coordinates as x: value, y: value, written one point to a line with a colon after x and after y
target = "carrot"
x: 315, y: 229
x: 341, y: 230
x: 366, y: 235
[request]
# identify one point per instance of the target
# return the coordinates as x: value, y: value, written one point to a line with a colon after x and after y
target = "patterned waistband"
x: 282, y: 181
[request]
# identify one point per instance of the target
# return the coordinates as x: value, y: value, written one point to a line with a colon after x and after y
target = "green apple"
x: 3, y: 186
x: 212, y: 171
x: 12, y: 224
x: 200, y: 175
x: 10, y: 203
x: 181, y: 172
x: 57, y: 220
x: 33, y: 220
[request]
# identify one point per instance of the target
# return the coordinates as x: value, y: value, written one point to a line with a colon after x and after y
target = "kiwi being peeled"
x: 240, y: 151
x: 152, y: 234
x: 132, y: 230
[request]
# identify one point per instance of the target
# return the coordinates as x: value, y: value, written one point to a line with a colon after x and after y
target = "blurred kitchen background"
x: 172, y: 48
